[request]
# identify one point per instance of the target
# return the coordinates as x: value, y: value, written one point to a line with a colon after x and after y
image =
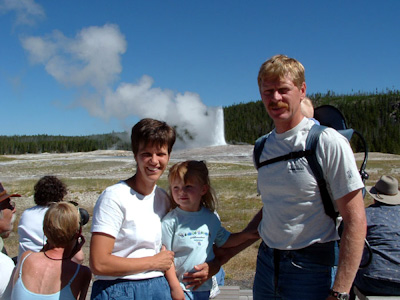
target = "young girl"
x: 192, y: 227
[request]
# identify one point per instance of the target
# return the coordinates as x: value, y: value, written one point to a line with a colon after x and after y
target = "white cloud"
x: 92, y: 58
x: 91, y: 61
x: 27, y: 11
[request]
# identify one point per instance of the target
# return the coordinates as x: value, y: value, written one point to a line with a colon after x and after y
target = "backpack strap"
x: 291, y: 155
x: 311, y: 144
x: 258, y: 148
x: 310, y: 154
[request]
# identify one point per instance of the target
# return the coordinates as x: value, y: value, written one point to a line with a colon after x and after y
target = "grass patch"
x: 5, y: 158
x: 81, y: 185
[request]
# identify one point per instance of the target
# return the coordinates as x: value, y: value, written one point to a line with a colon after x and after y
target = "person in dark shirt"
x: 382, y: 275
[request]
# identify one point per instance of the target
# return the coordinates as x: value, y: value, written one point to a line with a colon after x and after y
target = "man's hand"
x: 203, y: 272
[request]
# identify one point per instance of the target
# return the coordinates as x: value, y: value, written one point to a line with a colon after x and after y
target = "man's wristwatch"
x: 338, y: 295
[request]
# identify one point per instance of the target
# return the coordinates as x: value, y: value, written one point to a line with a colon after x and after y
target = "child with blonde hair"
x: 307, y: 109
x: 192, y: 227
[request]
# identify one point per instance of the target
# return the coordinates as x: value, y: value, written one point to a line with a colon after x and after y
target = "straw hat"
x: 386, y: 190
x: 4, y: 195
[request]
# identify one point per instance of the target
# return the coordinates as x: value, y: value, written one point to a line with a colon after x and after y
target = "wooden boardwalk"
x: 233, y: 293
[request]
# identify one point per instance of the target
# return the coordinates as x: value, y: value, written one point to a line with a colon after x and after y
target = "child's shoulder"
x: 170, y: 215
x: 210, y: 214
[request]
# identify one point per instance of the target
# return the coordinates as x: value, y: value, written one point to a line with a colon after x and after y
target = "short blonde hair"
x: 196, y: 171
x: 61, y: 223
x: 279, y: 66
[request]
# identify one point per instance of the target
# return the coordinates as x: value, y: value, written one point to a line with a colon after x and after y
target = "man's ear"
x: 303, y: 89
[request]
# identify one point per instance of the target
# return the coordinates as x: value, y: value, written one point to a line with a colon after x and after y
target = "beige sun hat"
x: 386, y: 190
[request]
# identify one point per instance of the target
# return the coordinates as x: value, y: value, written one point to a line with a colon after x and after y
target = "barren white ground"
x: 120, y: 164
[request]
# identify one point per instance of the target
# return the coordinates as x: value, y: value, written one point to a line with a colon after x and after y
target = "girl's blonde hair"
x: 193, y: 170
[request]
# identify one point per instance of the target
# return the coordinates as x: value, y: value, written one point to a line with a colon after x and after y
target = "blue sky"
x: 95, y: 66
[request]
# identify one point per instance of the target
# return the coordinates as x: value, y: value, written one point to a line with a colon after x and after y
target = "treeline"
x: 375, y: 115
x: 62, y: 144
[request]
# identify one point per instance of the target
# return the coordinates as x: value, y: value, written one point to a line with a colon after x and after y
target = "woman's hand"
x: 164, y: 259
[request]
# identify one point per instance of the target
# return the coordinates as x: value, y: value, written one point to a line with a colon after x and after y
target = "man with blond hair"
x: 296, y: 259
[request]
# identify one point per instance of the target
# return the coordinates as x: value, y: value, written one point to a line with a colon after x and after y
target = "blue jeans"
x: 204, y: 295
x: 297, y: 274
x: 220, y: 276
x: 149, y: 289
x: 375, y: 287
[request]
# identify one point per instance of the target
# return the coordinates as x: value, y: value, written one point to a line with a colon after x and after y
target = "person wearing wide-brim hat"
x: 7, y: 217
x: 382, y: 276
x: 386, y: 190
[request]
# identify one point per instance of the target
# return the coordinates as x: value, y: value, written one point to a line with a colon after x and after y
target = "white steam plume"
x: 92, y: 62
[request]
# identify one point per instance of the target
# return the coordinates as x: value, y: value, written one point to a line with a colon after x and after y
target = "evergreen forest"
x: 63, y: 144
x: 375, y: 115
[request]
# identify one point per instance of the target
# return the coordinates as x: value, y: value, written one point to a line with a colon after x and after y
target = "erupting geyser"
x: 202, y: 130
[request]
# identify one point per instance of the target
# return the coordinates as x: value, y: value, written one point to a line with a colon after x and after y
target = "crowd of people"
x: 147, y: 243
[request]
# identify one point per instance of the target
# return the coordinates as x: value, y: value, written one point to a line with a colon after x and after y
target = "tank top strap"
x: 76, y: 273
x: 22, y: 263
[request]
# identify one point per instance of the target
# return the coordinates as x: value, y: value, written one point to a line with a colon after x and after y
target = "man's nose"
x: 276, y: 95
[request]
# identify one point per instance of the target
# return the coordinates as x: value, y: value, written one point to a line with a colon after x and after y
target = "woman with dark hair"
x: 125, y: 254
x: 48, y: 189
x: 51, y: 274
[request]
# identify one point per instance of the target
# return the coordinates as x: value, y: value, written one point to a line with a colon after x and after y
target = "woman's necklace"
x: 52, y: 257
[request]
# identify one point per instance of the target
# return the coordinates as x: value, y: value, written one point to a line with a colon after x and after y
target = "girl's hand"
x: 177, y: 294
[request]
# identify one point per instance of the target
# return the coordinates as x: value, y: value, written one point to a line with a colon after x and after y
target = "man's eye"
x: 283, y: 91
x: 268, y: 92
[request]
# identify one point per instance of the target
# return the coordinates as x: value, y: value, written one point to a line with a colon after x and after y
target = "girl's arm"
x: 176, y: 290
x: 102, y: 262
